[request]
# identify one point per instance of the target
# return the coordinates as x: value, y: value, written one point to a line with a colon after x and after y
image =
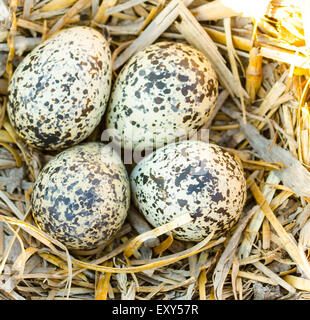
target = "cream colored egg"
x: 194, y: 177
x: 166, y: 91
x: 59, y: 92
x: 82, y: 195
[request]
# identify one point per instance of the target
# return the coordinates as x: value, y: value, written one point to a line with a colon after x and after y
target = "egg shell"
x: 164, y: 92
x: 59, y: 92
x: 194, y: 177
x: 82, y: 195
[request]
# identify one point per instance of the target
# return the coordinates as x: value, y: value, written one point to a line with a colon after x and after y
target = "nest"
x: 261, y: 55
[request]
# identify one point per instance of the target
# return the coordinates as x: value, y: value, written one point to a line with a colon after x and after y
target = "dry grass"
x: 262, y: 116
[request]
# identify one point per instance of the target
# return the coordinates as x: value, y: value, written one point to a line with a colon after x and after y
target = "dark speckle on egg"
x: 59, y: 92
x: 194, y: 177
x: 81, y: 196
x: 166, y: 86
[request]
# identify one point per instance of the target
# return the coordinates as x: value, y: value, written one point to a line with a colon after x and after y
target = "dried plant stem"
x: 167, y: 288
x: 7, y: 125
x: 123, y: 6
x: 10, y: 39
x: 202, y: 284
x: 100, y: 16
x: 196, y: 35
x: 103, y: 284
x: 11, y: 205
x: 155, y: 263
x: 274, y: 276
x: 141, y: 226
x: 232, y: 54
x: 286, y: 56
x: 153, y: 31
x: 256, y: 277
x: 76, y: 8
x: 45, y: 239
x: 278, y: 54
x: 16, y: 155
x: 258, y: 217
x: 5, y: 137
x: 57, y: 5
x: 224, y: 264
x: 163, y: 246
x: 273, y: 96
x: 175, y: 223
x: 254, y: 74
x: 220, y: 37
x: 288, y: 127
x: 293, y: 250
x: 297, y: 282
x: 266, y: 235
x: 29, y: 25
x: 3, y: 86
x: 149, y: 18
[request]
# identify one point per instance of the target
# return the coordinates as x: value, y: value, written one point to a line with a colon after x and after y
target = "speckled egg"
x: 194, y: 177
x: 82, y: 195
x: 59, y: 92
x: 164, y: 92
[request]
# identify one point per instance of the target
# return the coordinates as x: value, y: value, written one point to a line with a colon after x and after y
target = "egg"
x: 164, y: 92
x: 190, y: 176
x: 59, y: 92
x: 82, y: 195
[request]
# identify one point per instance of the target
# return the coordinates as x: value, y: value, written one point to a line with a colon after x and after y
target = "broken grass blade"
x: 297, y: 282
x: 59, y: 263
x: 155, y: 263
x: 57, y: 5
x: 195, y: 34
x: 5, y: 137
x: 254, y: 74
x: 20, y: 262
x: 261, y: 267
x: 258, y: 217
x: 240, y: 43
x: 141, y: 226
x: 163, y: 246
x: 4, y: 86
x: 256, y: 277
x: 102, y: 288
x: 16, y: 155
x: 232, y: 58
x: 123, y: 6
x: 224, y: 264
x: 289, y: 244
x: 273, y: 95
x: 11, y: 205
x: 153, y: 31
x: 175, y: 223
x: 285, y: 56
x: 100, y: 16
x: 76, y: 8
x: 294, y: 175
